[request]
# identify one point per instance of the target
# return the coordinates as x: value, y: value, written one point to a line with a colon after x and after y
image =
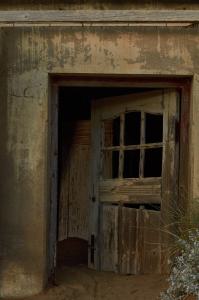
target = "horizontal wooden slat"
x: 126, y: 199
x: 134, y: 147
x: 134, y: 16
x: 128, y: 190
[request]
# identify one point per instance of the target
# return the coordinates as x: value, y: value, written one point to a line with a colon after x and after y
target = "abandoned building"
x: 99, y: 110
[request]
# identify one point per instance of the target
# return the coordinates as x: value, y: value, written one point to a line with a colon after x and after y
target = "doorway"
x: 113, y: 143
x: 74, y: 166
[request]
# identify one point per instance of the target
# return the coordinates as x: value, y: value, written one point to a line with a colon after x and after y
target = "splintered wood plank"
x: 150, y: 255
x: 109, y: 238
x: 128, y: 251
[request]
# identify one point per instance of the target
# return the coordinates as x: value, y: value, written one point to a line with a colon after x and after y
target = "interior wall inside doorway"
x: 73, y: 169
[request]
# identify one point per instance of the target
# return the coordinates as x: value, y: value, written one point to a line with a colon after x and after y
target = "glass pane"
x: 153, y: 128
x: 153, y: 162
x: 131, y: 163
x: 110, y: 164
x: 132, y: 128
x: 112, y: 132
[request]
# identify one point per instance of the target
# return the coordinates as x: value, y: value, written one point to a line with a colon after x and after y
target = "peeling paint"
x: 27, y: 57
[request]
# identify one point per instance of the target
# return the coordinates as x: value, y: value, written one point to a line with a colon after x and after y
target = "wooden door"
x: 134, y: 180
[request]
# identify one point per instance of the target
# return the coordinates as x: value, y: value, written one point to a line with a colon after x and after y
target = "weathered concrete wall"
x: 22, y: 192
x: 103, y: 4
x: 27, y: 57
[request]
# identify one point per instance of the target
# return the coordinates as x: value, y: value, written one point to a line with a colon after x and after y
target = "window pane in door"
x: 153, y: 128
x: 131, y: 163
x: 132, y: 128
x: 112, y: 132
x: 110, y: 168
x: 153, y: 162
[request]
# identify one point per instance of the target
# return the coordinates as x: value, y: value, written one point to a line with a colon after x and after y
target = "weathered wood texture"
x: 130, y: 240
x: 170, y: 160
x: 137, y: 191
x: 74, y: 182
x: 140, y: 242
x: 109, y: 238
x: 183, y: 138
x: 135, y: 16
x: 53, y: 143
x: 194, y: 195
x: 151, y: 242
x: 100, y: 4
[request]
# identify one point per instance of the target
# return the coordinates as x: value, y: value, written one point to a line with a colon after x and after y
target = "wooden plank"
x: 116, y: 198
x: 169, y: 211
x: 91, y: 80
x: 74, y: 184
x: 184, y: 140
x: 134, y: 16
x: 134, y: 147
x: 53, y: 182
x: 109, y: 238
x: 148, y: 102
x: 79, y: 192
x: 170, y: 157
x: 128, y: 241
x: 150, y: 225
x: 131, y: 187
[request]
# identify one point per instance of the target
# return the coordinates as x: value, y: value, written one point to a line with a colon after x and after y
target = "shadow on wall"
x: 72, y: 252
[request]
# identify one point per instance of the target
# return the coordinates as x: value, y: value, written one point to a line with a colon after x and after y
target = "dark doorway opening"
x: 74, y: 136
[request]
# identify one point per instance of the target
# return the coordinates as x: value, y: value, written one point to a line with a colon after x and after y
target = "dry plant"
x: 183, y: 233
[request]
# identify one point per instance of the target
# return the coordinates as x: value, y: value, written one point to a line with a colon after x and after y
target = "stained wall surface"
x: 103, y: 4
x: 27, y: 57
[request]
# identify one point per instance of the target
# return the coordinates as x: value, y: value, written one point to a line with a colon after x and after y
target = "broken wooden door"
x: 134, y: 180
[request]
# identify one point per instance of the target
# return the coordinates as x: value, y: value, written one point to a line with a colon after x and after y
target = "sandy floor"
x: 79, y: 283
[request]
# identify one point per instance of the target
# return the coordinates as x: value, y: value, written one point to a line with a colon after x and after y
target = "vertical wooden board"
x: 74, y: 185
x: 170, y: 157
x: 63, y: 204
x: 128, y: 241
x: 170, y: 174
x: 151, y: 242
x: 79, y: 193
x: 184, y: 140
x: 53, y: 168
x: 109, y: 238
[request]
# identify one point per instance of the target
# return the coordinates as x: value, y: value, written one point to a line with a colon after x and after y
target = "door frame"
x: 181, y: 83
